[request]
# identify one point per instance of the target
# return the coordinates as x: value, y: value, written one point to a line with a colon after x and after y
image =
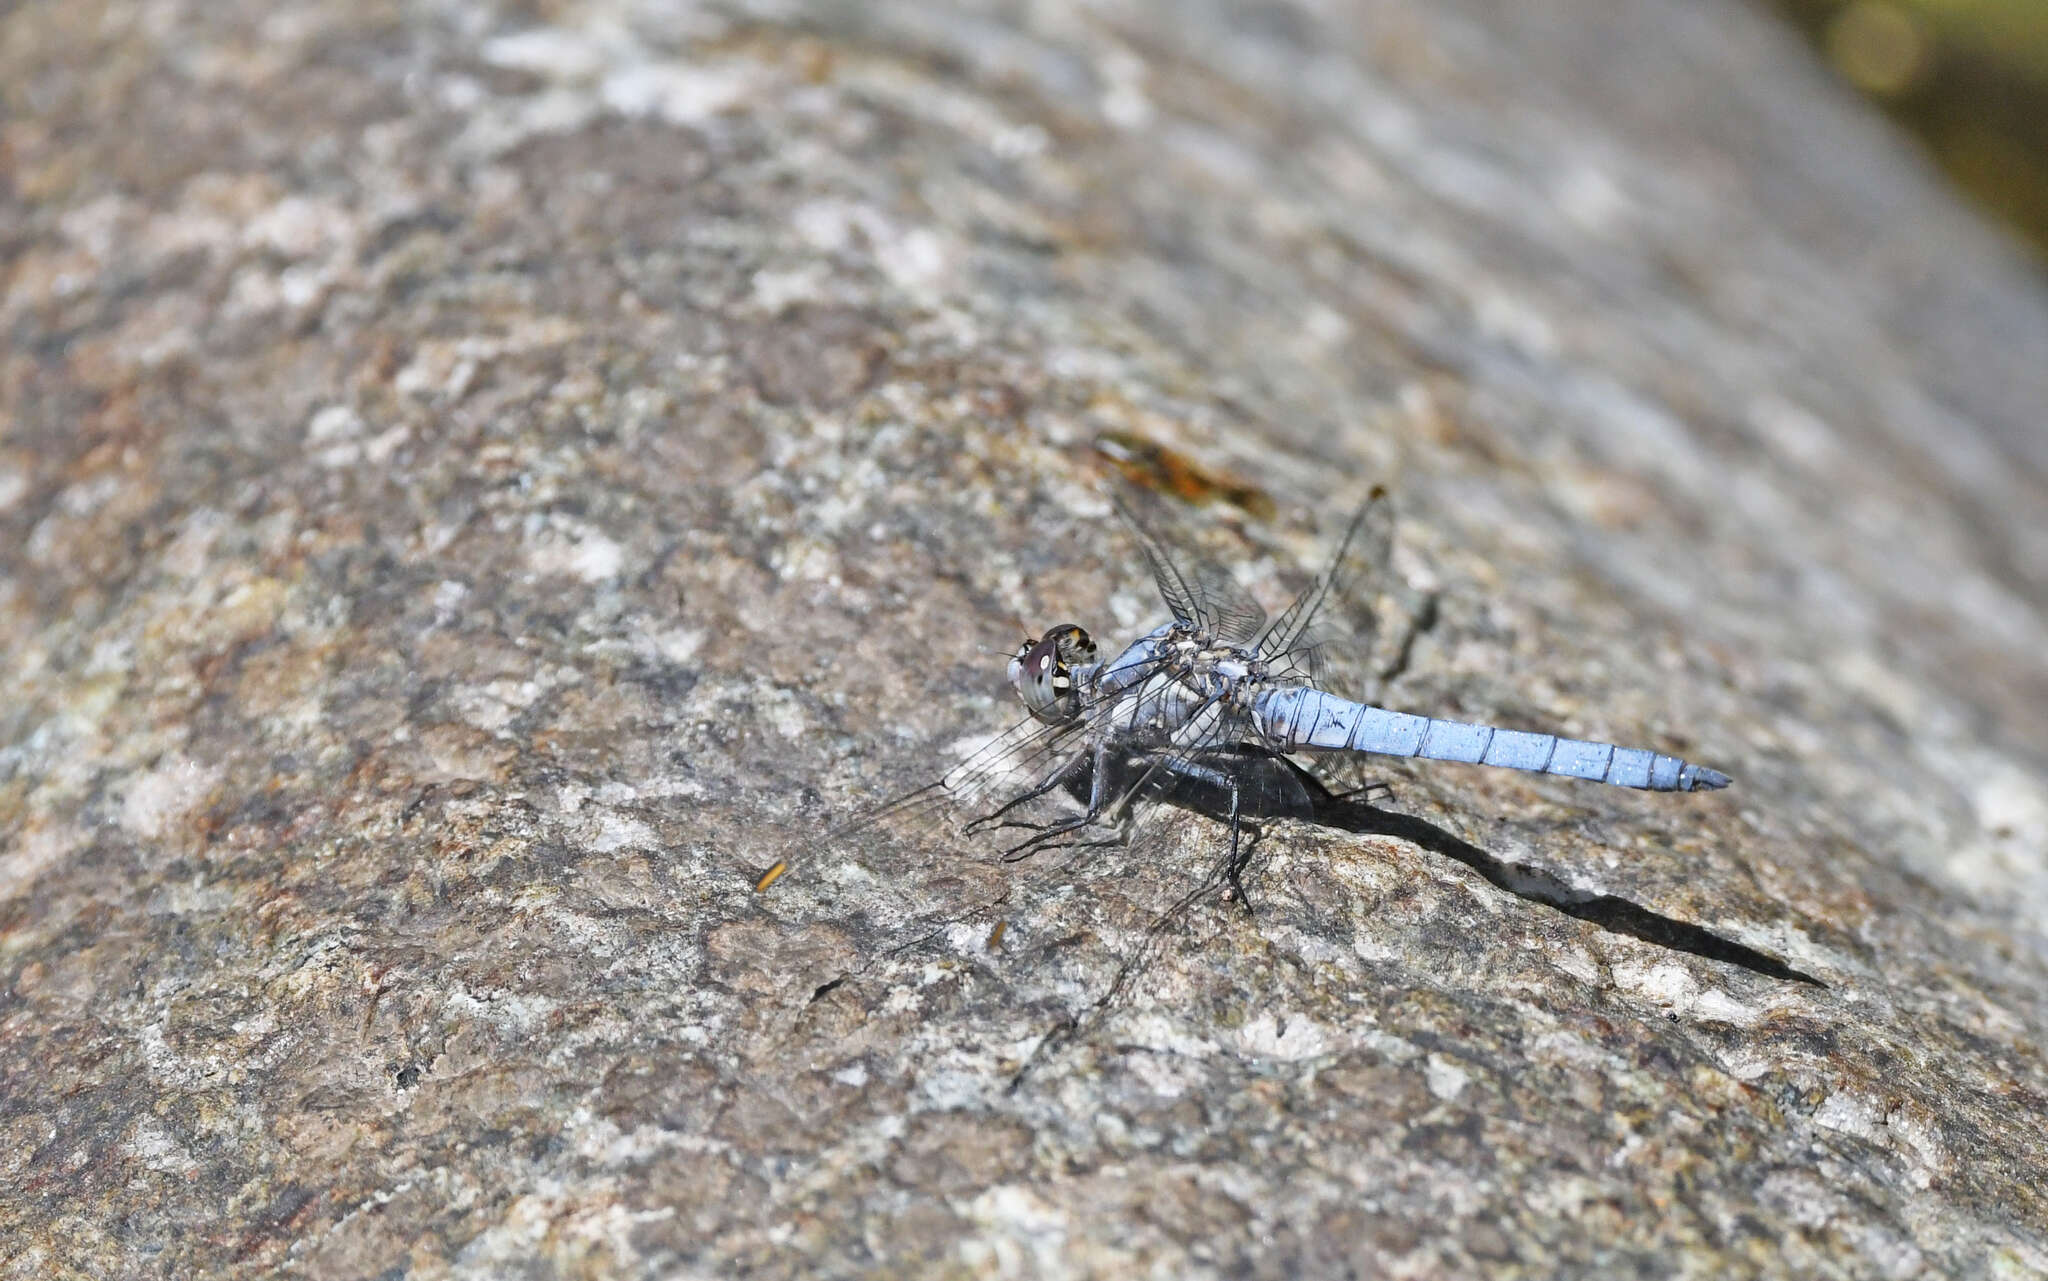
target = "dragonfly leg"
x: 1239, y: 853
x: 1107, y: 842
x: 1099, y: 793
x: 1046, y: 838
x: 987, y: 822
x: 1367, y: 793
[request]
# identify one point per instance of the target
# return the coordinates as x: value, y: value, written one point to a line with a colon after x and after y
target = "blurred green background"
x: 1970, y: 77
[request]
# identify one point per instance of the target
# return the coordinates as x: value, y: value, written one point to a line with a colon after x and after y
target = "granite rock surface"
x: 480, y: 483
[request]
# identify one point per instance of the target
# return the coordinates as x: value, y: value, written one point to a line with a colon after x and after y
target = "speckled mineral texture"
x: 481, y: 483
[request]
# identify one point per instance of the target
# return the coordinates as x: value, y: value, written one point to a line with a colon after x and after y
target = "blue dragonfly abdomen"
x: 1300, y: 719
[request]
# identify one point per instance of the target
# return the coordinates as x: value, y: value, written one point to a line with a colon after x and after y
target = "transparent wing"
x: 1201, y: 593
x: 933, y: 810
x: 1327, y: 635
x: 1029, y: 760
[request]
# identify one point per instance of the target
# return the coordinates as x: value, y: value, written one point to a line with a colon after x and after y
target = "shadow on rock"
x: 1272, y: 786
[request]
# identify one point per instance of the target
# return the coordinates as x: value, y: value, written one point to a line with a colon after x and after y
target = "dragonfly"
x: 1207, y: 711
x: 1215, y: 701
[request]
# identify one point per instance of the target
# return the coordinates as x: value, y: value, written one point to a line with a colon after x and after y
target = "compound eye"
x: 1042, y: 673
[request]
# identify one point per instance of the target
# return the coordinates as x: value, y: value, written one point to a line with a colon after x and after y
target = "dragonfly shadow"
x: 1265, y: 775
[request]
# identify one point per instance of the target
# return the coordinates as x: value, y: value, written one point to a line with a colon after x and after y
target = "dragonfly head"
x: 1043, y: 672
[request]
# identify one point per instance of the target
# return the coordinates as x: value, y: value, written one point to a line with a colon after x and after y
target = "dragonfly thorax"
x: 1213, y: 670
